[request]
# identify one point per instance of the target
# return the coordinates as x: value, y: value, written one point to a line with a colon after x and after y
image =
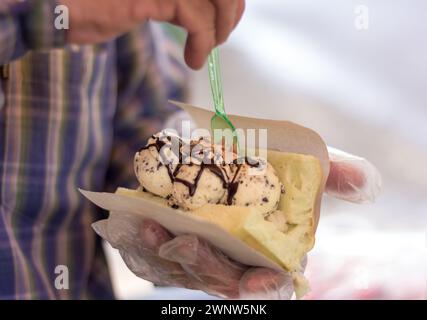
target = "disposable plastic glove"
x: 352, y: 178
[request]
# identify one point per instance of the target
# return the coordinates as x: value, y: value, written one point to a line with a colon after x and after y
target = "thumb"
x: 352, y: 178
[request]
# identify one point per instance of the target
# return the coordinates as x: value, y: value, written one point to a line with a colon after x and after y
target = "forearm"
x: 27, y: 25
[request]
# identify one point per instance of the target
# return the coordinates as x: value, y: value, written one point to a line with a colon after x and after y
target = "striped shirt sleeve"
x: 28, y: 25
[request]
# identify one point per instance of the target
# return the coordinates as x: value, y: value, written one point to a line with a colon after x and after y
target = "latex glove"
x: 189, y: 262
x: 352, y: 178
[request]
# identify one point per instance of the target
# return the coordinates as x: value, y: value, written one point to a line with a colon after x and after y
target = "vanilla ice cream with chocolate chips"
x: 191, y: 178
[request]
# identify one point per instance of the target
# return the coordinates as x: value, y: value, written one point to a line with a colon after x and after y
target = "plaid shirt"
x: 70, y: 116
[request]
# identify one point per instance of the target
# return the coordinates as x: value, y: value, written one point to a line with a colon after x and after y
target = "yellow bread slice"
x: 302, y: 177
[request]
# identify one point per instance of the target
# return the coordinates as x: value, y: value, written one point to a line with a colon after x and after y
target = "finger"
x: 164, y: 10
x: 241, y: 5
x: 225, y: 18
x: 209, y: 268
x: 344, y: 178
x: 155, y: 269
x: 197, y: 49
x: 198, y: 18
x: 182, y: 249
x: 153, y: 235
x: 352, y: 178
x: 263, y: 283
x: 150, y: 265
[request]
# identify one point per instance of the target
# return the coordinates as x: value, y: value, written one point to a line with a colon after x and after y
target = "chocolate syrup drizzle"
x: 231, y: 186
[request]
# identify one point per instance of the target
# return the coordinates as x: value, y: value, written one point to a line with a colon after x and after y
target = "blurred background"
x: 356, y: 73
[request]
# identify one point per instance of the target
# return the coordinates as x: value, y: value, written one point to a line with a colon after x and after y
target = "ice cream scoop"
x: 258, y: 187
x: 196, y: 173
x: 194, y: 187
x: 155, y: 163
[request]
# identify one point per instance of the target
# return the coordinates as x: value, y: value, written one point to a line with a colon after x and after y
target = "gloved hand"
x: 188, y: 262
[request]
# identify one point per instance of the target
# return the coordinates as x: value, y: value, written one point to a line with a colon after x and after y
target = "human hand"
x: 188, y: 262
x: 208, y: 22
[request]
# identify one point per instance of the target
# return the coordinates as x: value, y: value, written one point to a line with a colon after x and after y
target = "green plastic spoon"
x: 220, y: 119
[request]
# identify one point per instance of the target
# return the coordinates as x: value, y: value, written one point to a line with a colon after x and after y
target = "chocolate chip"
x: 265, y: 199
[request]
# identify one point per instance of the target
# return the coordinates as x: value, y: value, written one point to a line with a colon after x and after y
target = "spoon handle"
x: 215, y: 79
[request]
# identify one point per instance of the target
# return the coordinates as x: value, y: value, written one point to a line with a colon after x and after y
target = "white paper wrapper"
x: 176, y: 221
x: 121, y: 229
